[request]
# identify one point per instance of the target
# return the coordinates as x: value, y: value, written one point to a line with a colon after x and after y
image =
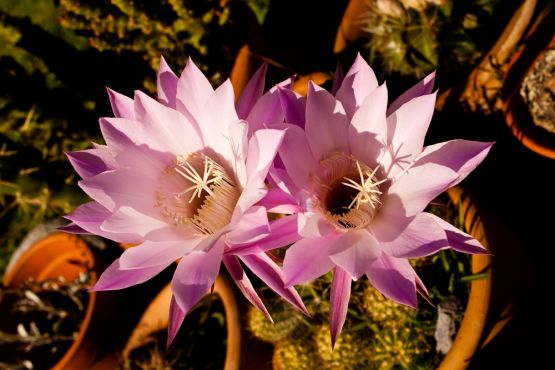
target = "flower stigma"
x: 197, y: 192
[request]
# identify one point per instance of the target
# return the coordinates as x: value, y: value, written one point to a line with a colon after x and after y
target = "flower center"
x: 196, y: 191
x: 347, y: 191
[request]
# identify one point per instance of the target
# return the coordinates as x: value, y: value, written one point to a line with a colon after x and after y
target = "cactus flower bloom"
x: 360, y: 177
x: 181, y: 177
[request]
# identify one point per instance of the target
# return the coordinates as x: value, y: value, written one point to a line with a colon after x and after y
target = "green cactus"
x: 286, y: 320
x: 384, y: 312
x: 414, y: 37
x: 351, y: 351
x: 296, y: 353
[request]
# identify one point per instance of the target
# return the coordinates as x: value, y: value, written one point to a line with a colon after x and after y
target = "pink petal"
x: 462, y: 156
x: 244, y: 284
x: 459, y: 240
x: 252, y: 227
x: 296, y: 156
x: 326, y: 123
x: 339, y: 297
x: 196, y: 273
x: 72, y: 228
x: 293, y: 106
x: 166, y: 84
x: 368, y: 129
x: 263, y: 147
x: 360, y: 249
x: 267, y: 270
x: 337, y: 79
x: 358, y: 83
x: 128, y: 220
x: 424, y: 87
x: 408, y: 126
x: 267, y: 112
x: 278, y: 201
x: 122, y: 106
x: 283, y: 232
x: 193, y: 91
x: 91, y: 162
x: 152, y: 253
x: 165, y: 129
x: 313, y: 225
x: 308, y: 259
x: 394, y: 278
x: 116, y: 277
x: 239, y: 147
x: 252, y: 92
x: 422, y: 237
x: 177, y: 315
x: 253, y: 192
x: 412, y: 192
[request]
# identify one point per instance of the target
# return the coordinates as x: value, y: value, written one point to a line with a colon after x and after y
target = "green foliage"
x: 415, y: 37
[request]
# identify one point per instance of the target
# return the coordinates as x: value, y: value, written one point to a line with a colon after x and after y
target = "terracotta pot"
x: 517, y: 115
x: 66, y: 255
x: 155, y: 318
x: 471, y: 332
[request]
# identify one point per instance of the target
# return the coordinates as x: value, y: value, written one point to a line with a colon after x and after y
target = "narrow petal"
x: 368, y: 129
x: 166, y: 84
x: 407, y: 129
x: 91, y: 162
x: 462, y: 156
x: 459, y: 240
x: 313, y: 225
x: 424, y: 87
x: 73, y: 228
x: 293, y: 106
x: 358, y: 83
x: 283, y: 233
x: 296, y: 156
x: 263, y: 147
x: 308, y: 259
x: 244, y: 284
x: 394, y: 278
x: 251, y: 228
x: 360, y: 250
x: 278, y: 201
x: 267, y: 112
x: 326, y: 123
x: 337, y: 79
x: 267, y: 270
x: 196, y: 273
x: 422, y: 237
x: 177, y: 315
x: 152, y: 253
x: 115, y: 277
x: 339, y: 302
x: 122, y: 106
x: 252, y: 92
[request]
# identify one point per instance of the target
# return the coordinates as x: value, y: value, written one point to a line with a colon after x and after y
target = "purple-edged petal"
x: 195, y: 274
x: 407, y: 128
x: 462, y: 156
x: 122, y: 106
x: 416, y: 188
x: 337, y: 79
x: 267, y: 270
x: 252, y: 92
x: 91, y: 162
x: 244, y: 284
x: 339, y: 302
x: 296, y: 156
x: 314, y: 225
x: 357, y: 84
x: 252, y: 227
x: 267, y: 112
x: 422, y: 237
x: 293, y: 106
x: 394, y: 278
x: 152, y: 253
x: 368, y: 129
x: 424, y: 87
x: 73, y: 228
x: 308, y: 259
x: 177, y: 315
x: 459, y: 240
x: 360, y: 249
x: 115, y: 277
x: 326, y: 123
x: 283, y: 232
x: 166, y: 84
x: 278, y: 201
